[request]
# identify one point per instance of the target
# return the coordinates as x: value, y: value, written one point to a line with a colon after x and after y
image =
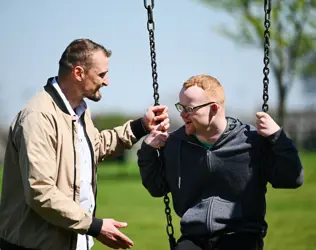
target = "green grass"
x: 291, y: 214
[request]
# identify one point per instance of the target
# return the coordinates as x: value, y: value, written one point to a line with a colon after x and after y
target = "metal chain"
x: 266, y: 59
x: 169, y: 227
x: 151, y: 29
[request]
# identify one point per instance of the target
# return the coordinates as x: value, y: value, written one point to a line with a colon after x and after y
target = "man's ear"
x: 78, y: 73
x: 214, y: 107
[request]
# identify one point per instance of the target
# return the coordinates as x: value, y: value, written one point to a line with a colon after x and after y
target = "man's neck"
x: 214, y: 132
x: 70, y: 94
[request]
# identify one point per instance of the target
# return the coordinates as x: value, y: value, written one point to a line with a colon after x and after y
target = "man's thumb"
x: 260, y: 114
x: 161, y: 127
x: 119, y: 224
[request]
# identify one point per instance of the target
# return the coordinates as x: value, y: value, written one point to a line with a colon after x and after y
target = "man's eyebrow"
x: 102, y: 74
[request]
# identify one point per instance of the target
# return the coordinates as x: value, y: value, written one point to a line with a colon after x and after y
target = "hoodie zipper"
x: 208, y: 157
x: 208, y: 151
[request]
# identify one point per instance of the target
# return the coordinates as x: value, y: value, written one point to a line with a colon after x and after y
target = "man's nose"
x: 105, y: 82
x: 184, y: 114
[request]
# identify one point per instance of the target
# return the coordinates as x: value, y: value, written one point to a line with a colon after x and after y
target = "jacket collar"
x: 49, y: 88
x: 60, y: 99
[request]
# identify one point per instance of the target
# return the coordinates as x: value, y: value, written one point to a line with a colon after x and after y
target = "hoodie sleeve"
x: 283, y: 167
x: 152, y: 170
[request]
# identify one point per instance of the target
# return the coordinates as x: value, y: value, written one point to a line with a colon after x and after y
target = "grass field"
x: 291, y: 214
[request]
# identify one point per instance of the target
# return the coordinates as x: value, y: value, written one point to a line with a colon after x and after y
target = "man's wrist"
x: 95, y: 227
x: 275, y: 136
x: 146, y: 128
x: 138, y: 128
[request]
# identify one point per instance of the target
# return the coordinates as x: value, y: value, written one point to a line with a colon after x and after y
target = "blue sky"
x: 35, y: 33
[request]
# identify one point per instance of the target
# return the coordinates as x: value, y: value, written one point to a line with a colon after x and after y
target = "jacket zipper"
x: 75, y: 171
x: 92, y: 163
x: 87, y: 240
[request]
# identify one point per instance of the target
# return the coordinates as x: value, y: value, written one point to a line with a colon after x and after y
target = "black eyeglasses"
x: 190, y: 109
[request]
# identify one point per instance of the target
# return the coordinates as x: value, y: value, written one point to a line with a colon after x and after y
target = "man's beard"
x: 95, y: 97
x: 190, y: 130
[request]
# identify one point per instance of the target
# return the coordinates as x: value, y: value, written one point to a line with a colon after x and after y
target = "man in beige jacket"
x: 49, y: 174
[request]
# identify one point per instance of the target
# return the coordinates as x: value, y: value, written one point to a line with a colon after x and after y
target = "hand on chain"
x: 265, y: 124
x: 158, y: 136
x: 154, y: 115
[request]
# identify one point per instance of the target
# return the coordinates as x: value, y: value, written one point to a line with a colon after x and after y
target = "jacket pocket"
x: 223, y: 215
x: 194, y: 220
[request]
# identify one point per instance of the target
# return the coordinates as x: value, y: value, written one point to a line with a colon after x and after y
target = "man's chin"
x: 189, y: 130
x: 95, y: 98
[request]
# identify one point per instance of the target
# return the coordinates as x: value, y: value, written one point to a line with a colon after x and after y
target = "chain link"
x: 169, y: 227
x: 151, y: 31
x: 266, y: 59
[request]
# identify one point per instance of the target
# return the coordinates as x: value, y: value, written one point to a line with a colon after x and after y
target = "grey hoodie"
x: 221, y: 189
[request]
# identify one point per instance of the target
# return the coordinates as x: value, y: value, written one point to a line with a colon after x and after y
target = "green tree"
x: 292, y: 41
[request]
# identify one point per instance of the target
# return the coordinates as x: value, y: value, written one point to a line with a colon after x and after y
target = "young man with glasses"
x: 217, y: 169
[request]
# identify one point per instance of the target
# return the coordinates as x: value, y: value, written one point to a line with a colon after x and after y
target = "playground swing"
x: 266, y: 71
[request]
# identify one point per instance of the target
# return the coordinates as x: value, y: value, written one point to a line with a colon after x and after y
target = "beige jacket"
x: 39, y: 206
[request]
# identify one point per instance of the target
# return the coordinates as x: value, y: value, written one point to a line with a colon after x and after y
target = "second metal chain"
x: 169, y: 227
x: 266, y: 59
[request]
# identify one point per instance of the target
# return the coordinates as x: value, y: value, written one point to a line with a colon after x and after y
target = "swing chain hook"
x: 151, y: 29
x: 152, y: 5
x: 149, y: 8
x: 266, y: 59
